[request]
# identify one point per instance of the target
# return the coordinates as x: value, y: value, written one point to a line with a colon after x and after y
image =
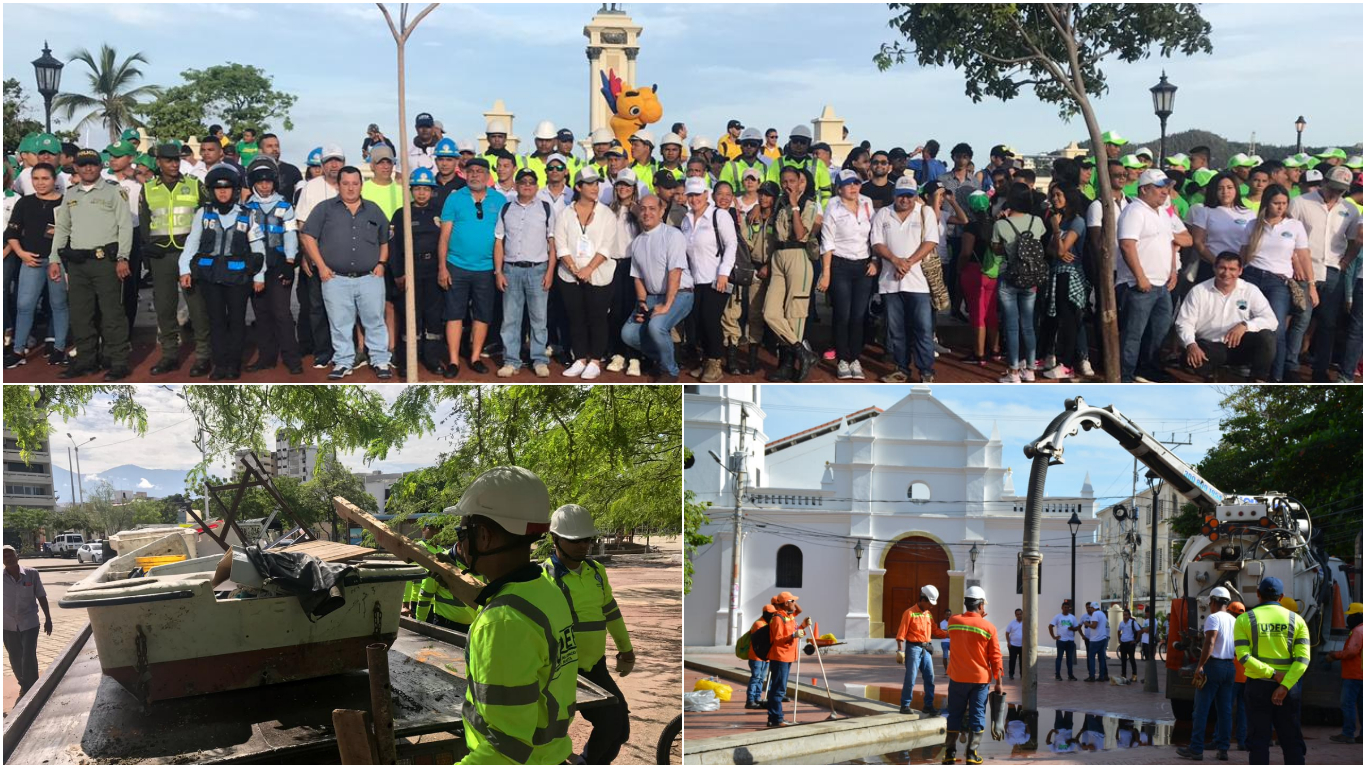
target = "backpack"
x: 549, y: 226
x: 742, y: 647
x: 742, y: 274
x: 1027, y: 267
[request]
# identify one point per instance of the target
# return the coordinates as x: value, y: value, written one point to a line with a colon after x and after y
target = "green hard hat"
x: 121, y: 148
x: 46, y: 142
x: 1113, y: 137
x: 1131, y: 161
x: 1333, y: 152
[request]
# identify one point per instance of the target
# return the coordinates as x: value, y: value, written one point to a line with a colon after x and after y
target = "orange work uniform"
x: 974, y: 651
x: 1351, y: 655
x: 783, y: 631
x: 918, y: 627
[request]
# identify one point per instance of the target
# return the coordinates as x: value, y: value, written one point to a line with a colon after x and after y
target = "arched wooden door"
x: 912, y: 563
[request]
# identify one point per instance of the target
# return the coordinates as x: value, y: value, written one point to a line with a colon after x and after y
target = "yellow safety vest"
x: 433, y: 595
x: 594, y: 609
x: 1270, y: 639
x: 172, y: 209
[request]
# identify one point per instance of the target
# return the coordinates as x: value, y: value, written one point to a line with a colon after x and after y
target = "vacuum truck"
x: 1242, y: 539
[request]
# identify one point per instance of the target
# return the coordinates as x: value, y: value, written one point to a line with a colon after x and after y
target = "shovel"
x: 828, y: 695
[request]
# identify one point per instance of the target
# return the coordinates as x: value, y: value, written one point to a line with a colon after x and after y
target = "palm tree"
x: 114, y: 101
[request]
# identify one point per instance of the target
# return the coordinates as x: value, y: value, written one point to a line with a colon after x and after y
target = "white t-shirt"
x: 316, y: 190
x: 1015, y: 633
x: 1152, y: 230
x: 1094, y: 214
x: 1276, y: 251
x: 1223, y: 642
x: 944, y: 625
x: 902, y: 238
x: 1102, y: 630
x: 1226, y: 229
x: 1126, y: 629
x: 1065, y: 625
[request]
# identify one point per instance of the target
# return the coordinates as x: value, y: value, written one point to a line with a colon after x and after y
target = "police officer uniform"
x: 224, y: 255
x: 93, y: 235
x: 273, y: 218
x: 442, y: 189
x: 430, y: 304
x: 166, y: 209
x: 1271, y: 640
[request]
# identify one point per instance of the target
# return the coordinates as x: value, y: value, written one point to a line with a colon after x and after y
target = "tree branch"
x: 1001, y: 61
x: 392, y: 29
x: 408, y: 30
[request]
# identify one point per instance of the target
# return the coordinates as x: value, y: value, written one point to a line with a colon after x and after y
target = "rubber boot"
x: 805, y: 359
x: 732, y: 360
x: 784, y: 371
x: 753, y: 363
x: 950, y: 748
x: 974, y: 741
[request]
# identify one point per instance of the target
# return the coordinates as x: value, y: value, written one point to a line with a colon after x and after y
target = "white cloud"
x: 144, y: 483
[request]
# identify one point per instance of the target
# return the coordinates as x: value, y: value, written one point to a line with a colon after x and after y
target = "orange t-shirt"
x: 974, y: 650
x: 782, y: 628
x: 1351, y: 655
x: 918, y: 627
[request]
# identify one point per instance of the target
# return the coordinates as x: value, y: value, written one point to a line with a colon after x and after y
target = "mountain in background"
x: 1222, y: 149
x: 126, y: 477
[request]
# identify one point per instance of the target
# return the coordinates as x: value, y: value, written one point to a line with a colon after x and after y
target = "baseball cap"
x: 526, y: 173
x: 897, y: 153
x: 783, y: 597
x: 1113, y: 138
x: 906, y: 186
x: 615, y: 148
x: 1241, y: 160
x: 665, y: 179
x: 557, y: 156
x: 978, y: 201
x: 847, y: 177
x: 1145, y: 152
x: 1001, y: 150
x: 752, y: 173
x: 332, y: 152
x: 695, y: 186
x: 87, y: 156
x: 1204, y: 176
x: 381, y: 152
x: 1179, y: 160
x: 586, y: 175
x: 1298, y: 160
x: 1338, y: 178
x: 734, y: 124
x: 121, y: 148
x: 1131, y: 161
x: 130, y: 134
x: 1313, y: 176
x: 477, y: 162
x: 1333, y: 152
x: 424, y: 120
x: 465, y: 145
x: 1354, y: 162
x: 627, y: 176
x: 564, y: 134
x: 45, y: 143
x: 1271, y: 586
x: 1153, y: 177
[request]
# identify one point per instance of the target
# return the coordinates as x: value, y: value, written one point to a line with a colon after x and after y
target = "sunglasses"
x: 559, y: 168
x: 479, y: 211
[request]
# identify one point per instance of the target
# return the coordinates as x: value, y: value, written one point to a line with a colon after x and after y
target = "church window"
x: 789, y: 575
x: 918, y: 493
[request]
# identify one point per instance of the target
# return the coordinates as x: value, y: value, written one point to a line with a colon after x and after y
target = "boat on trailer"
x: 170, y: 632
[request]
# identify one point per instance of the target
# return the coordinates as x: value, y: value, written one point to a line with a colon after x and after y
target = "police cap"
x: 168, y: 151
x: 87, y: 156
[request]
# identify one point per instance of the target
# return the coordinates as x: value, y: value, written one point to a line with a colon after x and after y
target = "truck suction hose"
x: 1038, y: 473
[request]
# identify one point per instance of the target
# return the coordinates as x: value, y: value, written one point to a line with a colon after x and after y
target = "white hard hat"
x: 751, y: 134
x: 1220, y: 593
x: 513, y: 497
x: 670, y: 138
x: 601, y: 136
x: 545, y: 130
x: 645, y: 135
x: 930, y: 593
x: 974, y: 593
x: 573, y: 522
x: 699, y: 142
x: 801, y: 131
x: 497, y: 126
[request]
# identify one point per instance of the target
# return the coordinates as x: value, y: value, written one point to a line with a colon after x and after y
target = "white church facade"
x: 856, y: 514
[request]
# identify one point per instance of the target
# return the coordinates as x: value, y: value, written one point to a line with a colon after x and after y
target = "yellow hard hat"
x: 1353, y: 608
x: 1289, y: 603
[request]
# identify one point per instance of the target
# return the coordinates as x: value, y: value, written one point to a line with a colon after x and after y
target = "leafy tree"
x: 74, y: 517
x: 27, y: 410
x: 694, y: 517
x: 178, y: 114
x: 329, y: 481
x: 113, y: 100
x: 17, y: 122
x: 26, y: 521
x: 236, y: 95
x: 1057, y: 49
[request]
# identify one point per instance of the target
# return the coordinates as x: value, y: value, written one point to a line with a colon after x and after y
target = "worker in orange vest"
x: 786, y: 636
x: 758, y: 659
x: 1350, y: 656
x: 1237, y: 609
x: 917, y: 627
x: 974, y: 661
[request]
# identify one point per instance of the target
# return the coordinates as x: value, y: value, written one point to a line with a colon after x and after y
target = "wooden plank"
x: 354, y: 740
x: 460, y: 586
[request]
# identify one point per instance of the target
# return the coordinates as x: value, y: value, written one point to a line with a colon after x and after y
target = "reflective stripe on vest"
x: 273, y: 224
x: 172, y: 209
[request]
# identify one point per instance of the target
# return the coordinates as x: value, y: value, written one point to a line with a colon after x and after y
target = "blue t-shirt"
x: 471, y: 243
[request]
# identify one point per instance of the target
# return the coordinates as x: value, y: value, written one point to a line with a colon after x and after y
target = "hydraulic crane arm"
x: 1147, y: 449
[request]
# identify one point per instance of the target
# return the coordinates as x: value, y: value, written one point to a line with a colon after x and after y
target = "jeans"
x: 918, y: 661
x: 1351, y: 706
x: 1277, y: 295
x: 524, y: 290
x: 652, y: 338
x: 1017, y: 320
x: 1144, y: 320
x: 1066, y: 648
x: 1014, y: 657
x: 1240, y: 718
x: 850, y: 289
x: 32, y: 281
x: 1351, y: 356
x: 758, y: 670
x: 622, y: 308
x: 1332, y: 292
x: 944, y: 649
x: 22, y: 648
x: 349, y: 298
x: 967, y: 709
x: 11, y: 287
x: 1217, y: 692
x: 1096, y: 649
x: 1263, y: 716
x: 910, y: 322
x: 777, y: 688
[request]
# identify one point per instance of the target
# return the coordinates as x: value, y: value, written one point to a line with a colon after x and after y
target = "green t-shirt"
x: 388, y: 197
x: 247, y: 150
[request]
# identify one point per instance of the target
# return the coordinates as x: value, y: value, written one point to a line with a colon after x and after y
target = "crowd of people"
x: 672, y: 253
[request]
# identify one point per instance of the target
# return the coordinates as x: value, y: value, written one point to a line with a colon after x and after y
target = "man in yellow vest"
x: 522, y: 660
x: 798, y: 155
x: 434, y: 602
x: 642, y: 157
x: 564, y: 144
x: 545, y: 138
x: 671, y: 156
x: 165, y: 214
x: 1272, y: 644
x: 497, y: 136
x: 584, y: 583
x: 751, y: 141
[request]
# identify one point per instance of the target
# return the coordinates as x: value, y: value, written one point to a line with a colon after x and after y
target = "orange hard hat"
x: 1237, y: 609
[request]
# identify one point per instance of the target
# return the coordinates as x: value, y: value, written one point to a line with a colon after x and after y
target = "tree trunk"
x: 1105, y: 271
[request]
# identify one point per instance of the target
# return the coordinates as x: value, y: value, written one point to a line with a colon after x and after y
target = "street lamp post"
x: 738, y: 483
x: 858, y: 553
x: 1164, y: 98
x: 1150, y: 669
x: 1074, y: 523
x: 1299, y: 134
x: 47, y: 69
x: 80, y: 481
x: 972, y: 555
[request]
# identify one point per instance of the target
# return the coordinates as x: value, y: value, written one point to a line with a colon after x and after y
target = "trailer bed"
x: 90, y: 718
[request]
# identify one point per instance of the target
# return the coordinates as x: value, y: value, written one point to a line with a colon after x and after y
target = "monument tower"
x: 612, y: 44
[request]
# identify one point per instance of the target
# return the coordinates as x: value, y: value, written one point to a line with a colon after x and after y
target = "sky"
x: 1021, y: 413
x: 769, y: 65
x: 169, y: 441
